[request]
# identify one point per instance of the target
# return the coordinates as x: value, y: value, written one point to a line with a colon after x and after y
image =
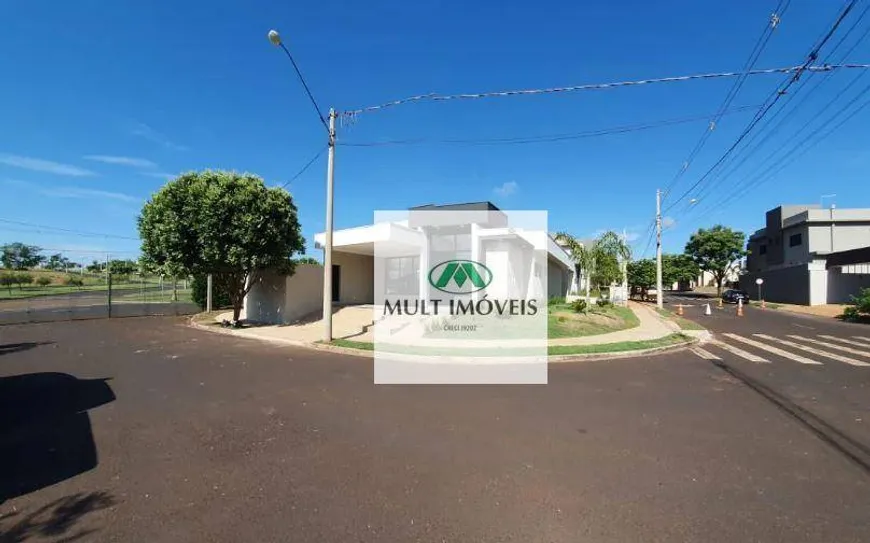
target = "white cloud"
x: 668, y: 222
x: 79, y: 192
x: 40, y: 165
x: 631, y: 236
x: 159, y: 175
x: 146, y: 132
x: 72, y: 192
x: 506, y: 189
x: 122, y: 161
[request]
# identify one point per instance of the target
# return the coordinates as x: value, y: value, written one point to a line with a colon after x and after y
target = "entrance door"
x: 336, y: 282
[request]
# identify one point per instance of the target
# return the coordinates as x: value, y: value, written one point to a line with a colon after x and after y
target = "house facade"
x: 808, y: 255
x: 359, y: 262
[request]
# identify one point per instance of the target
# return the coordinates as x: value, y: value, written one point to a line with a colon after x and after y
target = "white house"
x: 278, y: 299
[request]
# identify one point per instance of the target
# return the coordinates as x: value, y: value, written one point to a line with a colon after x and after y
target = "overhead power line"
x: 772, y: 100
x: 305, y: 86
x: 550, y: 138
x: 601, y: 86
x: 304, y: 168
x: 758, y: 48
x: 732, y: 166
x: 66, y: 230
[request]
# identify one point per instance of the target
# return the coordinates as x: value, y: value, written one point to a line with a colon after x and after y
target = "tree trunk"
x: 587, y: 295
x: 237, y: 308
x: 174, y: 289
x: 719, y: 285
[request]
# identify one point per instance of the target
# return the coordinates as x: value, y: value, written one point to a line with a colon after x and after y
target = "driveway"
x: 172, y: 434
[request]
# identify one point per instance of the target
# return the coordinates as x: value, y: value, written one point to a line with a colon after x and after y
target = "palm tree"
x: 584, y: 258
x: 612, y: 243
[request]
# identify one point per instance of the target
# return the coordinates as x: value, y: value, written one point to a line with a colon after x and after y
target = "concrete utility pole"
x: 327, y: 251
x: 208, y: 287
x: 659, y: 289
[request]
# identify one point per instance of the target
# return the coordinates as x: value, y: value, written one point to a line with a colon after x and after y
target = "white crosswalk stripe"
x: 705, y: 354
x: 843, y: 348
x: 739, y: 352
x: 847, y: 341
x: 862, y: 338
x: 813, y: 350
x: 774, y: 350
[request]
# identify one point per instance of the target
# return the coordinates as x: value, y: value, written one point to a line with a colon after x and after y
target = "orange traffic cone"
x: 762, y: 304
x: 720, y: 303
x: 680, y: 309
x: 740, y: 307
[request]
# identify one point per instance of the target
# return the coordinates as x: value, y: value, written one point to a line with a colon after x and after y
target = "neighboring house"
x: 808, y: 255
x: 286, y: 299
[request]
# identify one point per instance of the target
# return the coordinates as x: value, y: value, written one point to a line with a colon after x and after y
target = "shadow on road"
x: 45, y: 429
x: 10, y: 348
x: 54, y: 520
x: 852, y: 449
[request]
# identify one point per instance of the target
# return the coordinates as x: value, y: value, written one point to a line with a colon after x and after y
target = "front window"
x: 795, y: 240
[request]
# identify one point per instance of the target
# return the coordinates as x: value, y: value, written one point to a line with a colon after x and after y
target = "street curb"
x: 362, y: 353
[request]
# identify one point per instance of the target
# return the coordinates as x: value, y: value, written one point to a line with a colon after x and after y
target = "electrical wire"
x: 776, y: 95
x: 304, y: 168
x: 66, y: 230
x: 757, y: 49
x: 551, y: 137
x: 305, y: 86
x: 732, y: 166
x: 806, y: 67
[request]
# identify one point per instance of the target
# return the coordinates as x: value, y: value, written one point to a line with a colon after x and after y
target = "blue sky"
x: 103, y: 101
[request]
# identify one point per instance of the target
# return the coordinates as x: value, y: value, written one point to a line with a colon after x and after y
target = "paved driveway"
x: 172, y: 434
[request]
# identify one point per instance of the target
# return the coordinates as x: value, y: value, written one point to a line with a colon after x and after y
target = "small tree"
x: 23, y: 278
x: 43, y: 281
x: 224, y: 223
x: 607, y: 271
x: 642, y: 276
x: 678, y: 269
x: 716, y: 250
x: 7, y: 280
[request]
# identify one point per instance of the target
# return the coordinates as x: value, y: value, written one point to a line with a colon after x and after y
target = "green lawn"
x: 563, y: 321
x: 555, y: 350
x: 684, y: 324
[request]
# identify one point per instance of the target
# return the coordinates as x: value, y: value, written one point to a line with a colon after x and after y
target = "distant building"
x: 809, y: 255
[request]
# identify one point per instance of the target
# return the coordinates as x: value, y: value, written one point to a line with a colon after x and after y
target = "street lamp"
x: 275, y: 39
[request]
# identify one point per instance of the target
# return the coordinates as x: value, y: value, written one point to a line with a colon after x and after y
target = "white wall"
x: 842, y: 286
x: 818, y: 282
x: 278, y: 299
x: 357, y: 283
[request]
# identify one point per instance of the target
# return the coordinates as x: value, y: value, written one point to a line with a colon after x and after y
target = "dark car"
x: 732, y: 296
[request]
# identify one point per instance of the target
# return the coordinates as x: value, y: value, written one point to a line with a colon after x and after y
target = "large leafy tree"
x: 716, y: 250
x: 678, y: 269
x: 224, y: 223
x: 607, y: 270
x: 18, y: 256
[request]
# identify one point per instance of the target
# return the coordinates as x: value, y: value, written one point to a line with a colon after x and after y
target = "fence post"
x: 208, y: 306
x: 109, y: 292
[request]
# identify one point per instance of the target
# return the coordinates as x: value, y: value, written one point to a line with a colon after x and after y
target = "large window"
x: 403, y: 275
x: 795, y: 239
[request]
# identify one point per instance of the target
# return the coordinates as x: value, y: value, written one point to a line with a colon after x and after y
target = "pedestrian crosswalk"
x: 819, y: 350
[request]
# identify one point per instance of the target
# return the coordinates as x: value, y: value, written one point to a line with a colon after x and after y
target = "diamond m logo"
x: 460, y: 276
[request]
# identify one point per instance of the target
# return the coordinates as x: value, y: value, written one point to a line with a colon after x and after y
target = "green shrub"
x: 862, y: 301
x: 851, y: 314
x: 555, y: 300
x: 7, y: 280
x: 579, y: 306
x: 43, y: 281
x: 220, y: 297
x: 603, y: 302
x: 73, y: 281
x: 23, y: 278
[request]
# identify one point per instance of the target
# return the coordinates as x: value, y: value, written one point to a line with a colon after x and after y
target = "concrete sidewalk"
x: 355, y: 323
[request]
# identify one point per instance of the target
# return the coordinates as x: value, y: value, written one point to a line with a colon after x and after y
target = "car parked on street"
x: 732, y: 296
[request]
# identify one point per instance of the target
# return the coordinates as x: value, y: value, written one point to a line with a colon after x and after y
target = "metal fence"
x: 56, y: 297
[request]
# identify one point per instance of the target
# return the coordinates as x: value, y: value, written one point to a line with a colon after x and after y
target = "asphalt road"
x: 146, y: 430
